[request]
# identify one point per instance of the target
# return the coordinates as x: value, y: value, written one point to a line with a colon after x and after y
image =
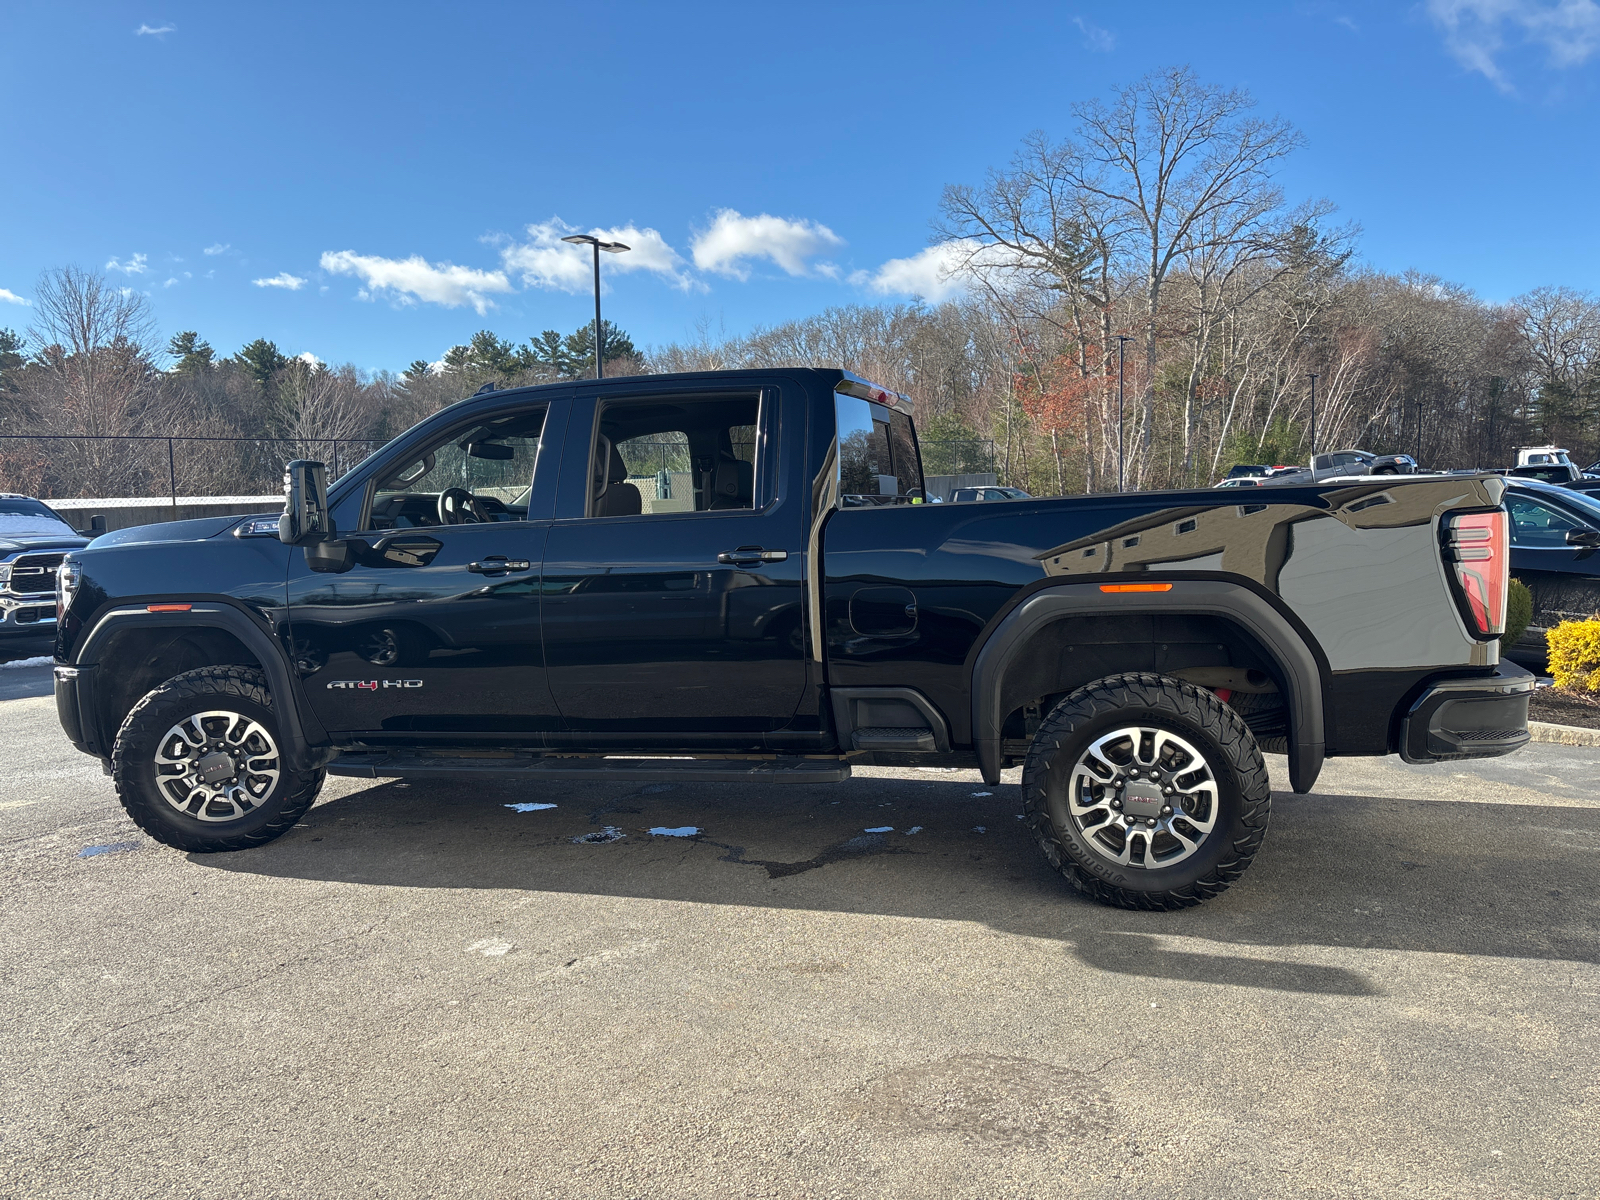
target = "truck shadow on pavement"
x: 1339, y: 872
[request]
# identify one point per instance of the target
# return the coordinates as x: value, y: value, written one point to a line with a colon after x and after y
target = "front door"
x: 673, y: 604
x: 433, y: 625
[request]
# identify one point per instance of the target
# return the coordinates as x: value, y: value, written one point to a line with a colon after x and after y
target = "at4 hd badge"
x: 372, y: 685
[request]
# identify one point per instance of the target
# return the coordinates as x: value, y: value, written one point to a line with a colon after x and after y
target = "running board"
x: 383, y: 765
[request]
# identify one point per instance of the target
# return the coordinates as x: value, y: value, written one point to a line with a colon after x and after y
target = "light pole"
x: 583, y: 239
x: 1122, y: 457
x: 1312, y: 375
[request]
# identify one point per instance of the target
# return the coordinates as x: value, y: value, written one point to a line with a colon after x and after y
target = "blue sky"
x: 372, y: 183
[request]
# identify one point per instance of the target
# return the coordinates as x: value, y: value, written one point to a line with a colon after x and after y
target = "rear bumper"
x: 1482, y: 716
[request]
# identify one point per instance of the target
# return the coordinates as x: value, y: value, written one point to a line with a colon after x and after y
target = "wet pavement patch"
x: 108, y: 848
x: 990, y: 1098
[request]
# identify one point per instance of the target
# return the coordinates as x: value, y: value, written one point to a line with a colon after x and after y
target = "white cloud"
x: 219, y: 248
x: 9, y: 297
x: 1474, y: 31
x: 310, y: 359
x: 545, y: 261
x: 170, y: 282
x: 936, y: 274
x: 146, y: 30
x: 733, y: 240
x: 282, y: 279
x: 134, y: 266
x: 1101, y: 41
x: 414, y: 279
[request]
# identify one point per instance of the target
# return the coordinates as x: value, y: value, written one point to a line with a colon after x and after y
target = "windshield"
x: 21, y: 517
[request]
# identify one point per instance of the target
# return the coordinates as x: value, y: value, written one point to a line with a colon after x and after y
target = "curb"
x: 1563, y: 735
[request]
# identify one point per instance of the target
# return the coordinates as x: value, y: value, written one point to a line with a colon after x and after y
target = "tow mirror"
x: 495, y: 450
x: 305, y: 520
x: 1586, y: 539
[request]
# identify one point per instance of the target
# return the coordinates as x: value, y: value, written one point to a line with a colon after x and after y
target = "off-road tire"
x: 1244, y: 797
x: 241, y: 690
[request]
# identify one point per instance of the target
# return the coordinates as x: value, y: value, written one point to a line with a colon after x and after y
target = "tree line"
x: 1137, y: 293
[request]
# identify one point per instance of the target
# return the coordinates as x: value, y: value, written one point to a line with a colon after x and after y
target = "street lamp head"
x: 584, y: 239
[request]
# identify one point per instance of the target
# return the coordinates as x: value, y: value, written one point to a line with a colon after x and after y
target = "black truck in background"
x: 728, y: 576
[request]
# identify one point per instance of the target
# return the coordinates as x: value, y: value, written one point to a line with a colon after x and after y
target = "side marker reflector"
x: 168, y: 607
x: 1135, y: 587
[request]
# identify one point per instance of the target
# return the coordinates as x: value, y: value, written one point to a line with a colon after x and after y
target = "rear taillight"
x: 1476, y: 547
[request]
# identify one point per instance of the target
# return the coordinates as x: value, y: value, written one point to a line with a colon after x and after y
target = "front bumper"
x: 27, y: 614
x: 1481, y: 716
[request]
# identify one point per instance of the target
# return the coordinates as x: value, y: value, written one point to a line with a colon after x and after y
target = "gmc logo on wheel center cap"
x: 1142, y: 799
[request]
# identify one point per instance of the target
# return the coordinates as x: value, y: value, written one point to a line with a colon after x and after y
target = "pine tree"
x: 192, y: 354
x: 262, y: 360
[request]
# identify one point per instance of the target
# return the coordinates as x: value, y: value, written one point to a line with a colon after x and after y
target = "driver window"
x: 477, y: 473
x: 1535, y: 525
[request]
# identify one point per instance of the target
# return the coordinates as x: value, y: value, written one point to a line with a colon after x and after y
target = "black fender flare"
x: 1237, y: 603
x: 307, y: 739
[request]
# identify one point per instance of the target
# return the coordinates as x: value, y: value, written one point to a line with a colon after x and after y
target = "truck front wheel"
x: 1146, y: 792
x: 199, y: 763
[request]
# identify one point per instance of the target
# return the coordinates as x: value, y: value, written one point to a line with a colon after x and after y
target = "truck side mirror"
x: 305, y: 520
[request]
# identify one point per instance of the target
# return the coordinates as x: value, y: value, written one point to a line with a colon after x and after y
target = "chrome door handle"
x: 499, y: 564
x: 751, y: 556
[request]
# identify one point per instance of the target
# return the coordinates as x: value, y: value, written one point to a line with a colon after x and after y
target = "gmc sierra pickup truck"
x: 729, y: 576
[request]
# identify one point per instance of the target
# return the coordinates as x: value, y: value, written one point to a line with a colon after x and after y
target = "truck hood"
x: 196, y: 530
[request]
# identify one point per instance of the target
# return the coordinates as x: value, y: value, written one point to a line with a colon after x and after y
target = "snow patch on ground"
x: 491, y: 947
x: 914, y: 829
x: 983, y: 793
x: 44, y: 660
x: 880, y: 829
x: 528, y: 807
x: 681, y: 831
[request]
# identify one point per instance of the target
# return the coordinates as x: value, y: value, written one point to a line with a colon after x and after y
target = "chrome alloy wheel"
x: 217, y: 766
x: 1143, y: 797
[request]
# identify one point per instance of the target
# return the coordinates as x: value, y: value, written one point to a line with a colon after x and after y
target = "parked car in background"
x: 1555, y: 550
x: 1362, y: 462
x: 1250, y: 471
x: 988, y: 493
x: 33, y: 541
x: 1241, y: 481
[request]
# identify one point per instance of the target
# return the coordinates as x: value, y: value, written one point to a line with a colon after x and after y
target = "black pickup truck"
x: 729, y: 576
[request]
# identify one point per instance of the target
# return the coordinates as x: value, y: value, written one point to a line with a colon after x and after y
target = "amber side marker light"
x: 1135, y: 587
x: 168, y: 607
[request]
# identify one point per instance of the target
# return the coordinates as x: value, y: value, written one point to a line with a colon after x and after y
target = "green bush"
x: 1519, y: 613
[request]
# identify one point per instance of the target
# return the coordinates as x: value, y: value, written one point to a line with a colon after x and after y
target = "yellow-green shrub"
x: 1574, y: 654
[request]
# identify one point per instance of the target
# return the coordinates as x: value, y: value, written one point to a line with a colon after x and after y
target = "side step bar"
x: 384, y: 765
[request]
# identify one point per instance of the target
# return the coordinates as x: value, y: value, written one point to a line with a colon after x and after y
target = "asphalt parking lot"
x: 424, y: 992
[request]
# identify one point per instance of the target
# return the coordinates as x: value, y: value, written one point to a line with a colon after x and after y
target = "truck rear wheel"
x: 1146, y: 792
x: 199, y: 763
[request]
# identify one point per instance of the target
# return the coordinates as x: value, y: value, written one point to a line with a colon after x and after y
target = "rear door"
x: 673, y: 584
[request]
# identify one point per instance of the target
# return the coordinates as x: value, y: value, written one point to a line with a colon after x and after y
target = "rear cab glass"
x: 878, y: 459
